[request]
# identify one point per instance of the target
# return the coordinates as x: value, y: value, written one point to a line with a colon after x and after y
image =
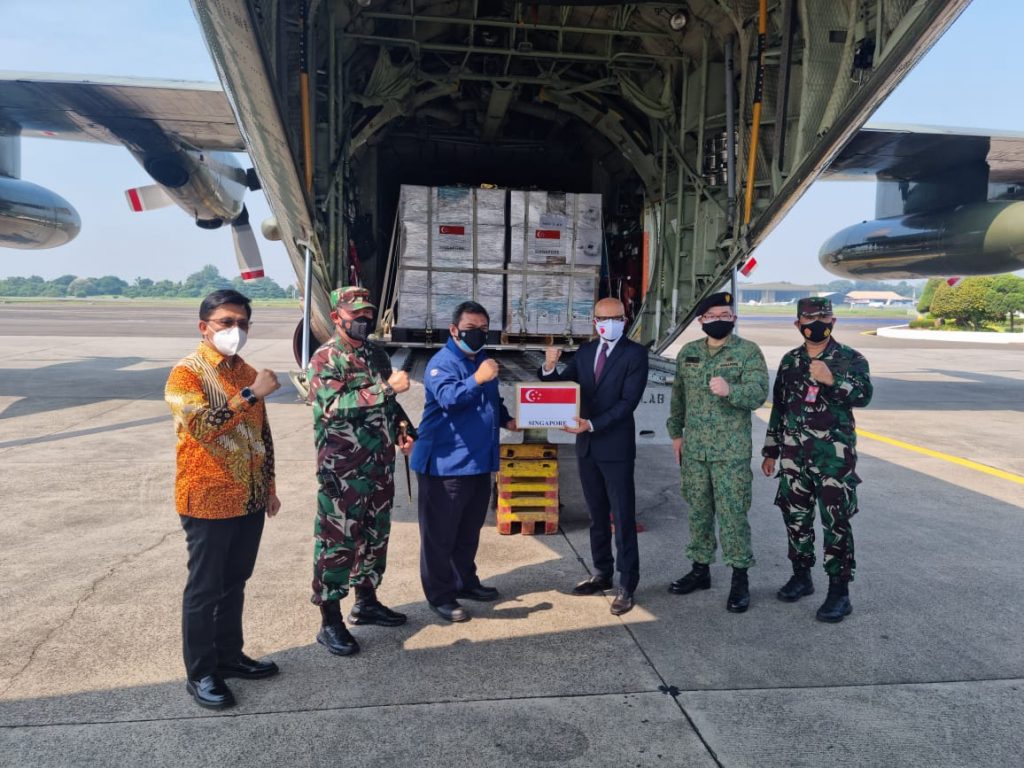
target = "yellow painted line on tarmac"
x: 984, y: 468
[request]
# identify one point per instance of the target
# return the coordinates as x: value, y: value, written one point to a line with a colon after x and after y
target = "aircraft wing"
x: 889, y: 151
x: 117, y: 110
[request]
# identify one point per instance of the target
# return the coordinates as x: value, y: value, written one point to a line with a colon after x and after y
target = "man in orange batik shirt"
x: 224, y: 489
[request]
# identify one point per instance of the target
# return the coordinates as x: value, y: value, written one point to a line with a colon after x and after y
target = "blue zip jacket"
x: 462, y: 420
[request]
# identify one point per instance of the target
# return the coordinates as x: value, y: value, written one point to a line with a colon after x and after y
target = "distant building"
x: 775, y: 293
x: 877, y: 299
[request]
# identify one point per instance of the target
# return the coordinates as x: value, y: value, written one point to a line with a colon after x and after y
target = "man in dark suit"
x: 612, y: 374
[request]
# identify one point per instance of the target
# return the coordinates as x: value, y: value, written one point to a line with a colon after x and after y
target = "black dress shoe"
x: 593, y: 585
x: 479, y: 592
x: 248, y: 668
x: 699, y: 577
x: 337, y: 639
x: 623, y: 603
x: 210, y: 692
x: 375, y: 613
x: 451, y: 611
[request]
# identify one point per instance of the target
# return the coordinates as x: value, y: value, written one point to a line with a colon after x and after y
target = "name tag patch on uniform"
x: 692, y: 360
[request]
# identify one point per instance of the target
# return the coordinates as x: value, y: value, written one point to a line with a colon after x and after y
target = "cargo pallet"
x: 527, y: 491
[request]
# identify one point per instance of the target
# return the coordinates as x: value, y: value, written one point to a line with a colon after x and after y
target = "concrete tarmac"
x: 927, y: 671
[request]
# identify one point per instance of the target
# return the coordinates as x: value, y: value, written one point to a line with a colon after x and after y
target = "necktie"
x: 602, y: 358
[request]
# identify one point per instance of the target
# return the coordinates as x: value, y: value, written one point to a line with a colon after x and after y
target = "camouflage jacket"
x: 717, y: 428
x: 822, y: 433
x: 355, y: 420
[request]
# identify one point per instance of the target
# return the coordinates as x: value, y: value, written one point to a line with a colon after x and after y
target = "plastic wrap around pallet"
x: 556, y: 229
x: 447, y: 290
x: 552, y: 303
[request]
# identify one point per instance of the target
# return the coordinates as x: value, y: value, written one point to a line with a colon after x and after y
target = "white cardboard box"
x: 543, y: 405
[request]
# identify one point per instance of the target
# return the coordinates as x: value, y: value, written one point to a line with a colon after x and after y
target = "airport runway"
x: 927, y: 671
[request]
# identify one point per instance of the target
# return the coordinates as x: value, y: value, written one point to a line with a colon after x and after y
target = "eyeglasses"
x: 815, y: 315
x: 713, y: 318
x: 230, y: 322
x: 602, y: 318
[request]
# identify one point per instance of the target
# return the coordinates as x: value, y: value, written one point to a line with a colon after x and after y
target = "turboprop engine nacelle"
x: 973, y: 239
x: 33, y: 217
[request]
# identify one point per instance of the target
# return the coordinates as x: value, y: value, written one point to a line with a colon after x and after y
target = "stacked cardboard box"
x: 555, y: 255
x: 536, y: 272
x: 452, y: 248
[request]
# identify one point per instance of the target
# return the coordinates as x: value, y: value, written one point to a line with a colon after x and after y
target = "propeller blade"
x: 250, y: 263
x: 147, y: 198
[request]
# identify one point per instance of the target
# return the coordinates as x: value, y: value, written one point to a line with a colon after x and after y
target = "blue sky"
x: 967, y: 79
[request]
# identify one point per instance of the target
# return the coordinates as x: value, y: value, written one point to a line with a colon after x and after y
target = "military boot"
x: 739, y: 594
x: 799, y: 585
x: 333, y: 634
x: 699, y: 577
x: 369, y: 610
x: 837, y: 603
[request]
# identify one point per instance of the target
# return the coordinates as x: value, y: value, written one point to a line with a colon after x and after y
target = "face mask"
x: 609, y: 330
x: 229, y: 341
x: 718, y: 329
x: 359, y: 328
x: 472, y: 341
x: 817, y: 331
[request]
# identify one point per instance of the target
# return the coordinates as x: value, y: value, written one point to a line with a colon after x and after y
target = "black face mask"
x: 475, y: 339
x: 817, y: 331
x: 718, y: 329
x: 359, y: 328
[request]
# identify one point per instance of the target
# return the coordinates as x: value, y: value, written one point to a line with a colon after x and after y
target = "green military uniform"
x: 716, y: 475
x: 816, y: 447
x: 812, y: 434
x: 355, y: 423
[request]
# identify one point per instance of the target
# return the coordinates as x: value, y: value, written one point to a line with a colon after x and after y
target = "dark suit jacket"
x: 609, y: 403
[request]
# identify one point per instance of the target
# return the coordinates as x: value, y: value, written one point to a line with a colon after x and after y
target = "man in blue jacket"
x: 453, y: 459
x: 612, y: 374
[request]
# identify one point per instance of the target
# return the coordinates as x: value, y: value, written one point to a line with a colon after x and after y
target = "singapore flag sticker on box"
x: 543, y: 405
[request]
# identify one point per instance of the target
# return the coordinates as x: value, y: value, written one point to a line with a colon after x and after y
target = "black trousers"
x: 452, y: 512
x: 221, y: 556
x: 609, y: 489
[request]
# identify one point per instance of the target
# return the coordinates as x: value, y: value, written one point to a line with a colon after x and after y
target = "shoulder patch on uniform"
x: 434, y: 371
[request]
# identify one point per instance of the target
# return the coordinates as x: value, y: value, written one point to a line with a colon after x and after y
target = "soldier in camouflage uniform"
x: 811, y: 434
x: 719, y: 381
x: 356, y: 429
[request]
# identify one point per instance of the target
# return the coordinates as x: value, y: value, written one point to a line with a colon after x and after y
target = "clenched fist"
x: 488, y: 371
x: 719, y: 386
x: 265, y: 383
x: 399, y: 381
x: 821, y: 373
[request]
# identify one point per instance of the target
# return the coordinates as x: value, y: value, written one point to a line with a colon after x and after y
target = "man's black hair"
x: 469, y: 308
x: 222, y: 297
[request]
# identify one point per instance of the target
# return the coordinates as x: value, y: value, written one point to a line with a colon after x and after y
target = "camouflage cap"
x: 813, y: 304
x: 352, y: 297
x: 721, y: 299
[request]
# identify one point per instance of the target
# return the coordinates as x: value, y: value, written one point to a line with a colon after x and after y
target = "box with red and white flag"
x: 545, y: 405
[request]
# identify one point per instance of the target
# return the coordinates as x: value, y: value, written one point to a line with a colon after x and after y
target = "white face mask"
x: 229, y: 341
x: 609, y: 330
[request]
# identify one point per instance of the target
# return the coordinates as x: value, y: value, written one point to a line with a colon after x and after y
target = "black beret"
x: 720, y: 299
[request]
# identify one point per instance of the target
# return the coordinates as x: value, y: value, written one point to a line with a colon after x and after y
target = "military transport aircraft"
x: 700, y: 123
x: 182, y: 133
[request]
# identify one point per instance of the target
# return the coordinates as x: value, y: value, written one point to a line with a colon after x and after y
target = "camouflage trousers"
x: 799, y: 488
x: 353, y: 521
x: 718, y: 489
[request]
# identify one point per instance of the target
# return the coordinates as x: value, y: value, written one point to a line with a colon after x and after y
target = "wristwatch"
x: 248, y: 395
x: 388, y: 390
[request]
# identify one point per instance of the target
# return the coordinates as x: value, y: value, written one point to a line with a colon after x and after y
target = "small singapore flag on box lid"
x: 544, y: 405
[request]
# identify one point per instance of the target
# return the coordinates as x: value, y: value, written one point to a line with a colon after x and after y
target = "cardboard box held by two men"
x: 546, y: 405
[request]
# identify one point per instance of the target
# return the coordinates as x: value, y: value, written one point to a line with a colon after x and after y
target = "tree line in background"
x: 975, y: 303
x: 198, y: 284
